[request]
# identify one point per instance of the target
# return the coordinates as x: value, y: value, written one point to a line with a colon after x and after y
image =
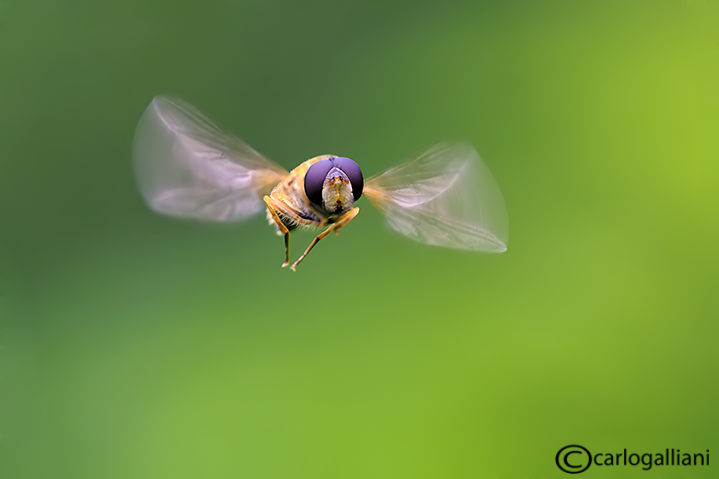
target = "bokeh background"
x: 138, y: 346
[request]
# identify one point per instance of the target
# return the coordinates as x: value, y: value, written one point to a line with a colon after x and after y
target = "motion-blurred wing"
x: 446, y: 197
x: 186, y: 166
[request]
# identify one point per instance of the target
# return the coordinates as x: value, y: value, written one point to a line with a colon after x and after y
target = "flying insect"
x: 188, y: 167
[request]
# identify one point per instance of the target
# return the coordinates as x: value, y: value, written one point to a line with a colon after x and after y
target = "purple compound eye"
x: 317, y: 173
x: 353, y: 172
x: 314, y: 179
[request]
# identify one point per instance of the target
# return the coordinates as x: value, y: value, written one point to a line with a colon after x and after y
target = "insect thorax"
x: 299, y: 214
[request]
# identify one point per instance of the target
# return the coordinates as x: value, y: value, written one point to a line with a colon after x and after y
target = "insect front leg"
x: 273, y: 208
x: 341, y: 221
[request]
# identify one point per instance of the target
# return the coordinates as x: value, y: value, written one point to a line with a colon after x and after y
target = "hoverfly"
x: 188, y: 167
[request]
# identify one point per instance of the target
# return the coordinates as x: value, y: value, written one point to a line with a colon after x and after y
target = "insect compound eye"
x: 317, y: 173
x: 315, y: 178
x: 353, y: 172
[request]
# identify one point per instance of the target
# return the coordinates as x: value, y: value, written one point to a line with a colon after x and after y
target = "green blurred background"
x: 138, y: 346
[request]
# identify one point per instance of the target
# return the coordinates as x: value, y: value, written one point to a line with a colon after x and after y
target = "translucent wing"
x: 446, y: 197
x: 186, y: 166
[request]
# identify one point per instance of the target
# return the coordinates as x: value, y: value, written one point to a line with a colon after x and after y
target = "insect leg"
x: 341, y: 221
x: 273, y: 211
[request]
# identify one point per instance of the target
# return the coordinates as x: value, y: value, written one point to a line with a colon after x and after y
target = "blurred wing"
x: 186, y: 166
x: 446, y: 197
